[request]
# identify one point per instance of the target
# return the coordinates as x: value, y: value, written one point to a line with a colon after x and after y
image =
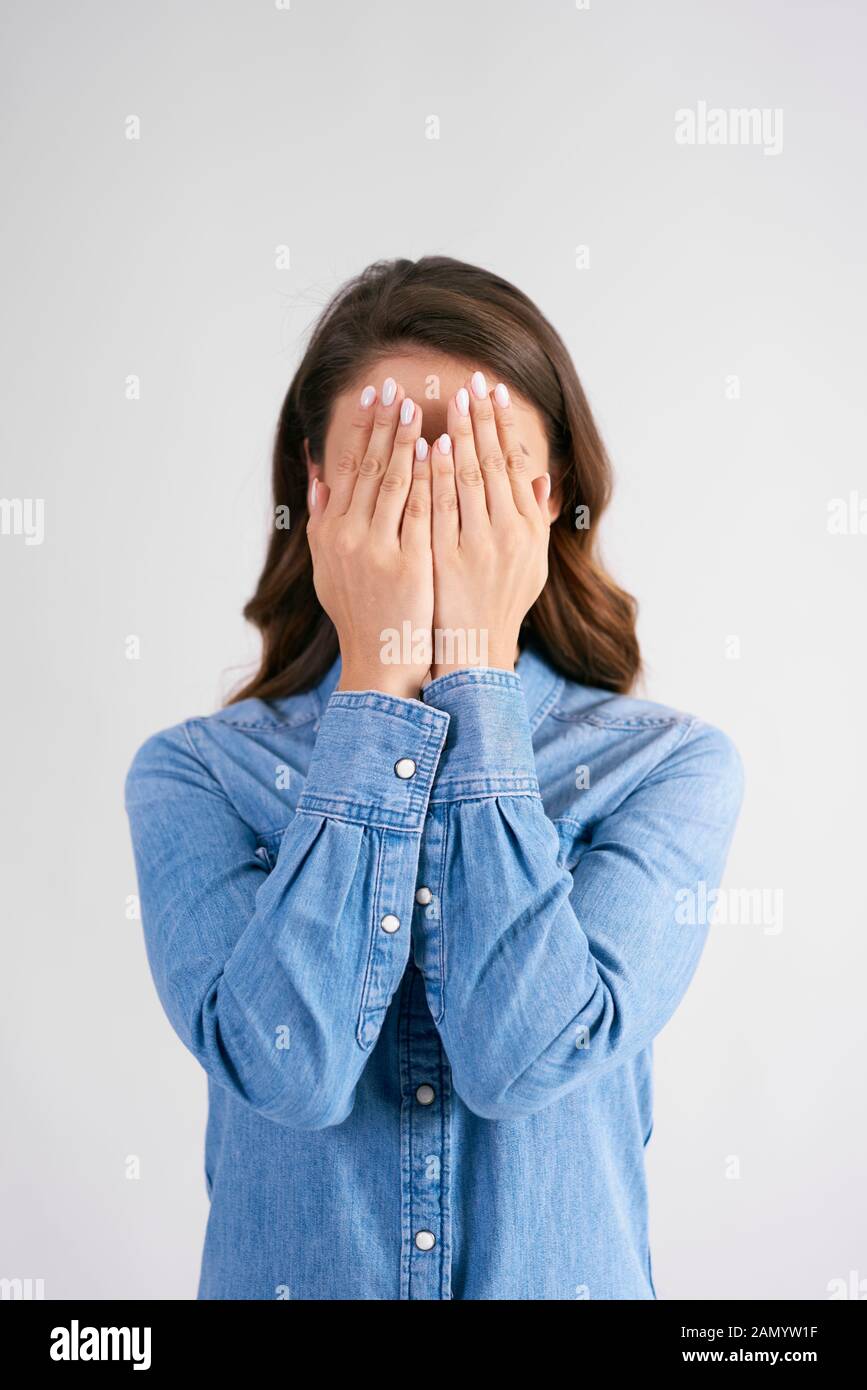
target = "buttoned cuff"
x: 375, y: 759
x: 489, y: 747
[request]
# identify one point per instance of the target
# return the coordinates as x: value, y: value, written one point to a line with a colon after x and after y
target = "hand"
x: 490, y: 532
x: 370, y: 539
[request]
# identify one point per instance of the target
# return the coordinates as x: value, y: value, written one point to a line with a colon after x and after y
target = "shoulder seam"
x: 206, y: 765
x: 689, y: 722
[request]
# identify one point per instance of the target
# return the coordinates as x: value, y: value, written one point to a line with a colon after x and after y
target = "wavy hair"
x: 582, y: 621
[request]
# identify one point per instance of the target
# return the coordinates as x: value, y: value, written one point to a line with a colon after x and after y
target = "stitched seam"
x: 583, y: 825
x: 492, y: 781
x: 186, y: 729
x: 506, y: 679
x: 640, y: 721
x: 343, y: 820
x: 420, y: 716
x: 218, y: 718
x: 410, y: 1137
x: 210, y: 771
x: 363, y: 1009
x: 546, y: 707
x: 690, y: 723
x: 477, y: 794
x: 364, y: 816
x: 446, y: 1178
x: 441, y: 924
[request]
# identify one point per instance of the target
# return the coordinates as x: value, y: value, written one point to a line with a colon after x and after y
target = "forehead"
x: 431, y: 380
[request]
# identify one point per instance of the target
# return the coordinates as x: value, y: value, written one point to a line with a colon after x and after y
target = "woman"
x: 412, y: 898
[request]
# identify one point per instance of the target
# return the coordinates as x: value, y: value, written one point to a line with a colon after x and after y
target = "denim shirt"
x: 421, y: 949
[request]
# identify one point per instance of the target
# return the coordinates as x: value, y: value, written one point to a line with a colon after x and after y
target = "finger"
x: 396, y: 481
x: 518, y: 464
x: 489, y: 451
x: 378, y: 452
x: 352, y: 452
x: 415, y: 527
x: 542, y: 491
x: 445, y: 529
x: 472, y: 506
x: 317, y: 500
x: 492, y: 460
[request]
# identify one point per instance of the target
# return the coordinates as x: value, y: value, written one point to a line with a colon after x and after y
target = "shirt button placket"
x: 426, y: 1124
x: 389, y: 947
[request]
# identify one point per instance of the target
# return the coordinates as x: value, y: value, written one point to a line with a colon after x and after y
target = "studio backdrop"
x: 679, y: 186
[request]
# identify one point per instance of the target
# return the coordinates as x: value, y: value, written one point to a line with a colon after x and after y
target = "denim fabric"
x: 476, y: 1065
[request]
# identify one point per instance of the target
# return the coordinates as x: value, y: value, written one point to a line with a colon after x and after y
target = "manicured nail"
x: 479, y: 385
x: 368, y: 396
x: 421, y: 449
x: 389, y: 390
x: 462, y: 401
x: 407, y: 412
x: 314, y: 488
x: 444, y: 444
x: 501, y: 395
x: 547, y: 477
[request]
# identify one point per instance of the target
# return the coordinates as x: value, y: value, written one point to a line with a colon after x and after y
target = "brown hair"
x: 582, y: 622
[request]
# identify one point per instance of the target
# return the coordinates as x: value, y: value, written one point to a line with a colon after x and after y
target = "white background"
x: 156, y: 257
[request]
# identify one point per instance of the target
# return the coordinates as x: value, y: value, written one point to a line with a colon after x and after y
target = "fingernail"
x: 407, y: 412
x: 421, y: 448
x: 501, y: 395
x: 444, y: 444
x: 314, y: 488
x: 368, y: 396
x: 462, y: 401
x: 389, y: 390
x: 547, y: 486
x: 479, y: 385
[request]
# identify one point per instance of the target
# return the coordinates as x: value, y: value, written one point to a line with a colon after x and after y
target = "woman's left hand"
x: 490, y: 532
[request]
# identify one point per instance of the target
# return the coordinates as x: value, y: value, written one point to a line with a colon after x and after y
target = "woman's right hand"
x: 370, y: 538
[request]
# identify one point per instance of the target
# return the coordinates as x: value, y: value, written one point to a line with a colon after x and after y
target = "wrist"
x: 501, y: 657
x: 406, y: 685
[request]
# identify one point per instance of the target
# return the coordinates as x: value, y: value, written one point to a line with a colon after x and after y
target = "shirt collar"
x: 540, y: 682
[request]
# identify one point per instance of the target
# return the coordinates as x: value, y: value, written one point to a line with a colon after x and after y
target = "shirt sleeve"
x: 562, y: 959
x: 278, y: 982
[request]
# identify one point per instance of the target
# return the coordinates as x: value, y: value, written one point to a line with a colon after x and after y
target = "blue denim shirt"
x: 421, y: 949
